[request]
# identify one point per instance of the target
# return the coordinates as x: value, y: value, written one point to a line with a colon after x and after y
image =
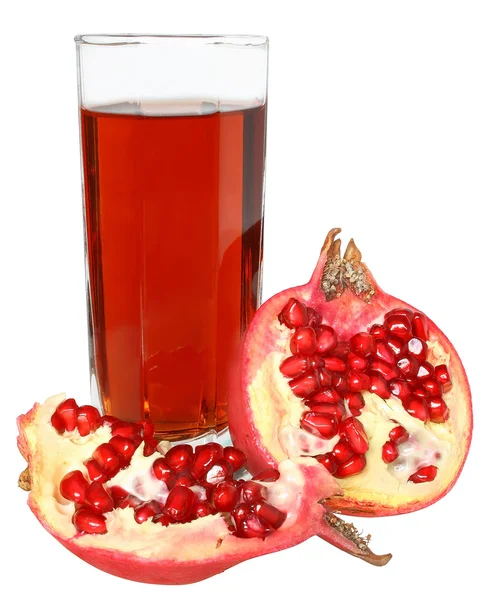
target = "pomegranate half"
x: 136, y: 508
x: 341, y: 371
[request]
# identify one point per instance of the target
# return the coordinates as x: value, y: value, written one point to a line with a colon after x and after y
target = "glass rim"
x: 122, y: 39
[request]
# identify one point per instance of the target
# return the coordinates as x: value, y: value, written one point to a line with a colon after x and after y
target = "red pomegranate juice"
x: 173, y: 209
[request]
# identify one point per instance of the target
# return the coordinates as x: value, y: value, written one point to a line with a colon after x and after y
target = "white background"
x: 380, y: 122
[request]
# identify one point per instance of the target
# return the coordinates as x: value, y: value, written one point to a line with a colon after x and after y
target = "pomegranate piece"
x: 202, y: 509
x: 357, y: 362
x: 294, y: 314
x: 417, y: 348
x: 379, y: 386
x: 400, y: 388
x: 94, y: 471
x: 98, y: 499
x: 424, y: 475
x: 384, y: 352
x: 326, y: 339
x: 327, y: 461
x: 88, y: 420
x: 443, y: 377
x: 267, y: 475
x: 335, y: 364
x: 362, y: 344
x: 417, y: 408
x: 327, y: 395
x: 269, y: 514
x: 74, y: 486
x: 107, y: 458
x: 397, y: 345
x: 179, y: 503
x: 378, y: 332
x: 341, y: 453
x: 425, y: 371
x: 352, y: 467
x: 108, y: 420
x: 225, y: 496
x: 162, y: 470
x: 398, y: 325
x: 128, y: 430
x: 67, y: 411
x: 235, y: 457
x: 355, y: 402
x: 324, y: 377
x: 304, y: 341
x: 420, y: 392
x: 145, y: 511
x: 124, y: 446
x: 58, y: 423
x: 306, y: 384
x: 180, y: 457
x: 164, y: 520
x: 205, y: 455
x: 239, y: 513
x: 336, y: 409
x: 438, y: 409
x: 398, y: 435
x: 148, y: 428
x: 181, y: 478
x: 253, y: 492
x: 219, y: 471
x: 431, y: 385
x: 389, y: 452
x: 251, y: 526
x: 320, y: 424
x: 420, y: 326
x: 356, y: 435
x: 357, y: 381
x: 385, y: 369
x: 293, y: 366
x: 87, y: 521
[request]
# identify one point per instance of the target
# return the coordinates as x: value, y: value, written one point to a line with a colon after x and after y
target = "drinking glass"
x: 173, y: 148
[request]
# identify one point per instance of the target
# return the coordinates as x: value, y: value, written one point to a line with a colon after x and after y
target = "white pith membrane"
x: 56, y: 455
x: 277, y: 412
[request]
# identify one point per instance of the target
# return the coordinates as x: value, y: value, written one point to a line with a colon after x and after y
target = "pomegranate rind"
x: 263, y: 403
x: 180, y: 553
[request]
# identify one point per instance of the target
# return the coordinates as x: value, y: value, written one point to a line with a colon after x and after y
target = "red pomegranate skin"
x: 348, y: 315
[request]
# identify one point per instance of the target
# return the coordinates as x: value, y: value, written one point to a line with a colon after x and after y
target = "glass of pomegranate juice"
x: 173, y: 147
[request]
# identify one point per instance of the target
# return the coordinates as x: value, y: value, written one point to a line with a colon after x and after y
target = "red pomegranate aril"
x: 180, y: 457
x: 397, y: 345
x: 294, y: 314
x: 425, y: 370
x: 267, y: 475
x: 355, y: 402
x: 225, y: 496
x: 400, y: 388
x: 148, y: 429
x: 129, y: 501
x: 398, y: 325
x: 378, y: 332
x: 181, y: 478
x: 205, y: 455
x: 342, y: 350
x: 360, y: 363
x: 95, y: 472
x: 339, y: 382
x: 107, y: 458
x: 74, y: 486
x: 87, y: 521
x: 420, y: 326
x: 305, y: 385
x: 379, y: 386
x: 330, y: 408
x: 362, y: 344
x: 420, y: 392
x: 162, y: 470
x: 319, y: 424
x: 352, y: 467
x: 109, y: 420
x: 295, y: 365
x: 439, y: 411
x: 417, y: 408
x: 327, y: 461
x: 164, y: 520
x: 251, y: 526
x: 57, y: 423
x: 341, y: 452
x: 202, y: 509
x: 253, y: 492
x: 239, y: 513
x: 424, y: 474
x: 128, y: 430
x: 179, y: 503
x: 124, y: 446
x: 335, y: 364
x: 269, y: 514
x: 328, y: 395
x: 304, y: 341
x: 235, y: 457
x: 443, y: 377
x: 67, y: 411
x: 406, y: 312
x: 98, y: 499
x: 357, y: 381
x: 220, y: 470
x: 118, y: 495
x: 408, y: 365
x: 88, y: 420
x: 417, y: 348
x: 150, y: 446
x: 356, y: 435
x: 146, y: 511
x: 326, y: 339
x: 398, y: 435
x: 389, y: 452
x: 316, y: 362
x: 325, y: 378
x: 387, y: 370
x: 432, y: 386
x: 384, y: 352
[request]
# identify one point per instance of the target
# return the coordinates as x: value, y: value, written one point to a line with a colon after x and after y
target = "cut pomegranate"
x: 161, y: 495
x: 397, y: 385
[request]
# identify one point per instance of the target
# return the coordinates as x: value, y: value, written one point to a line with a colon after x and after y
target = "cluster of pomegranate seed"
x: 329, y: 375
x: 199, y: 482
